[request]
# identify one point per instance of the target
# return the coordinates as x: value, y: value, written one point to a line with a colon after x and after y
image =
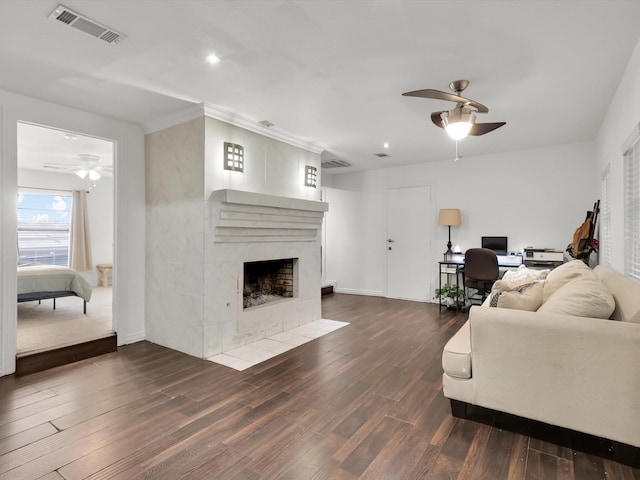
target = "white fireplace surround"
x: 254, y: 217
x: 250, y: 227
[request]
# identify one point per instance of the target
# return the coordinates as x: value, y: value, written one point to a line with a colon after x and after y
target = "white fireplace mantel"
x: 239, y: 216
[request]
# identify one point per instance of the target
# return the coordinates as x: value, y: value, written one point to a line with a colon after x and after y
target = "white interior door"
x: 409, y: 234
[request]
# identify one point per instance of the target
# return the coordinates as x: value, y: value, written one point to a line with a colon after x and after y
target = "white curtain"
x: 80, y: 258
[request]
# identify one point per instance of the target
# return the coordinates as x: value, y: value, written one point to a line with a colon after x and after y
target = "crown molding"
x: 253, y: 126
x: 176, y: 118
x: 204, y: 109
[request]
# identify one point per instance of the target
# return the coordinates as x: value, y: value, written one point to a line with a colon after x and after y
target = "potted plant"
x: 450, y: 294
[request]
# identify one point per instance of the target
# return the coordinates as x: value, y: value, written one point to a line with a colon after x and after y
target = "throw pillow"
x: 564, y: 274
x: 523, y: 297
x: 525, y: 274
x: 581, y: 297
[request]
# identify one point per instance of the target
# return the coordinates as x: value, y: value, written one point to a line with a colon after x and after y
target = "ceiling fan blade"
x: 59, y: 166
x: 449, y: 97
x: 482, y: 128
x: 437, y: 119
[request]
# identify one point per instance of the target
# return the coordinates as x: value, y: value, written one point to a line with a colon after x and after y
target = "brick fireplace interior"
x: 268, y: 281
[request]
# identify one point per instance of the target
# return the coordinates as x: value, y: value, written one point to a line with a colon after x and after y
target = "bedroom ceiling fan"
x: 88, y: 165
x: 460, y: 121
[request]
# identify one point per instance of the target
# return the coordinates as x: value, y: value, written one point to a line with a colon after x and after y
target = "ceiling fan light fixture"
x: 94, y: 175
x: 213, y: 59
x: 458, y: 122
x: 82, y: 173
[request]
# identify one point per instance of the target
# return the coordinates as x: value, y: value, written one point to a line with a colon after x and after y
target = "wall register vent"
x: 335, y: 164
x: 83, y: 24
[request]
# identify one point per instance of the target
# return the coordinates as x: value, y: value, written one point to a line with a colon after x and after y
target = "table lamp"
x: 449, y: 217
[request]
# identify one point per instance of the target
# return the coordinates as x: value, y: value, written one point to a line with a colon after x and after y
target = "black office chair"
x: 480, y: 271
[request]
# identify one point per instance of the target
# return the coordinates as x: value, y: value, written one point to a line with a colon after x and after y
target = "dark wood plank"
x: 44, y: 360
x: 26, y: 437
x: 364, y: 401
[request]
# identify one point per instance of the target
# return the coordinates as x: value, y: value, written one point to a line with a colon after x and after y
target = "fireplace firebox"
x: 269, y: 281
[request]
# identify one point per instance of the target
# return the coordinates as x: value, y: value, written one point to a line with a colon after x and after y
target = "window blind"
x: 43, y: 228
x: 605, y: 218
x: 632, y: 210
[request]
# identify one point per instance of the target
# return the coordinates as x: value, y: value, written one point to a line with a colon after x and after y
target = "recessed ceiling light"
x: 386, y: 145
x: 213, y: 59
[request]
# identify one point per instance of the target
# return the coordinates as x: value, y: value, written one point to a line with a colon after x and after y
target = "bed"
x: 40, y: 282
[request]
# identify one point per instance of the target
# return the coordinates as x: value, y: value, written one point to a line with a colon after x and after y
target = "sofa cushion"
x: 582, y: 297
x: 563, y: 274
x: 522, y: 297
x: 456, y: 356
x: 625, y: 291
x: 523, y: 274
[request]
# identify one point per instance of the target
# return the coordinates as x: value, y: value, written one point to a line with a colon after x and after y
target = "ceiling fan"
x: 460, y: 121
x: 87, y: 165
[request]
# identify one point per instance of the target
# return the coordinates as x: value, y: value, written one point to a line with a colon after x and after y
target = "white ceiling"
x: 332, y: 72
x: 41, y: 148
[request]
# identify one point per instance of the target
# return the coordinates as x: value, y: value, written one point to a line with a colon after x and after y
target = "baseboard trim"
x: 354, y: 291
x: 43, y: 360
x: 584, y: 442
x: 132, y: 338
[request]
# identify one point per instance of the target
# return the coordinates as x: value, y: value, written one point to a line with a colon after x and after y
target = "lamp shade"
x: 449, y: 216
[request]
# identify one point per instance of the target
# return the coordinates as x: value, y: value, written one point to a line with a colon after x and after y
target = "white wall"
x: 271, y: 167
x: 129, y: 212
x: 175, y: 237
x: 99, y: 203
x: 622, y: 117
x: 534, y: 197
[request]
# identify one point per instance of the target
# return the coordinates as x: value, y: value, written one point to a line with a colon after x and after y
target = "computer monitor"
x: 497, y: 244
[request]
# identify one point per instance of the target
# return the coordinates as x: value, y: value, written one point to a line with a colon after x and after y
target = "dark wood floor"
x: 364, y: 401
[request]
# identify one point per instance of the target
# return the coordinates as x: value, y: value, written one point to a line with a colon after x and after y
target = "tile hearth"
x: 254, y: 353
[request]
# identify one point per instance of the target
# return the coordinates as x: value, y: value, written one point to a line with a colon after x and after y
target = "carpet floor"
x: 40, y: 327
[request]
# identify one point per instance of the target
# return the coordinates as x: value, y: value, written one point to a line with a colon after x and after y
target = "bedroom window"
x: 632, y: 208
x: 43, y: 228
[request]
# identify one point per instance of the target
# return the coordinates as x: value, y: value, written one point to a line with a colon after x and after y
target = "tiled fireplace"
x: 250, y: 237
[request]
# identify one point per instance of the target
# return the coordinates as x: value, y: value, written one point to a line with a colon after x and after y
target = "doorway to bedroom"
x: 65, y: 243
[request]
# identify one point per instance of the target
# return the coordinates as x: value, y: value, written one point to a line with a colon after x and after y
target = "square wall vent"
x: 79, y: 22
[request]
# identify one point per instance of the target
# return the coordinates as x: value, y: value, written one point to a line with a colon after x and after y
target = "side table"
x: 103, y: 273
x: 450, y: 268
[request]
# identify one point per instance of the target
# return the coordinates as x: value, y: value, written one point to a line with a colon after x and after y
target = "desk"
x: 504, y: 261
x: 454, y: 265
x: 451, y: 267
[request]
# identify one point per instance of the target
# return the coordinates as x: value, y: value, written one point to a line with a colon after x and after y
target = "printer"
x: 542, y: 257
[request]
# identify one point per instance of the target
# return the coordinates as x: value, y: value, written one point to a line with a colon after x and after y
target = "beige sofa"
x: 556, y: 365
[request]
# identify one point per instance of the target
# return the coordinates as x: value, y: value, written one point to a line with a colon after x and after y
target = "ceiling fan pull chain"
x: 458, y: 156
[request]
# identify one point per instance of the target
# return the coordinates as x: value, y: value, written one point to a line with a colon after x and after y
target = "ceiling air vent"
x: 83, y: 24
x: 334, y: 164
